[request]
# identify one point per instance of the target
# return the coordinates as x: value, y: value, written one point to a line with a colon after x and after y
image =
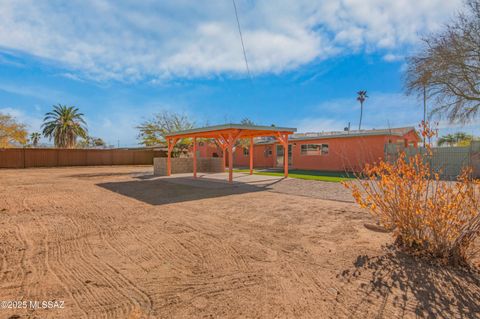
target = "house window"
x: 324, y: 149
x: 246, y: 151
x: 314, y: 149
x: 268, y: 151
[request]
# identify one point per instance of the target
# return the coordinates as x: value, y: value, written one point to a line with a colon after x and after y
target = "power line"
x: 241, y: 39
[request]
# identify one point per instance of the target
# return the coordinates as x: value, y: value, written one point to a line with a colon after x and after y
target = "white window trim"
x: 321, y: 148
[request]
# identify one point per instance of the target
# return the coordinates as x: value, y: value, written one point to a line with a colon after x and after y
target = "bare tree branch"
x: 448, y: 67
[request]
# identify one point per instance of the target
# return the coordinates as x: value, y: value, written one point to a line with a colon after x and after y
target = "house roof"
x: 398, y: 131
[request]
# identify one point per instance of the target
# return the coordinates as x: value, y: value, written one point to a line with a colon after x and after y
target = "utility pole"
x: 424, y: 109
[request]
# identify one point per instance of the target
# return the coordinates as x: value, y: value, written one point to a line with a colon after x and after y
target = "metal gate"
x: 280, y: 155
x: 448, y: 161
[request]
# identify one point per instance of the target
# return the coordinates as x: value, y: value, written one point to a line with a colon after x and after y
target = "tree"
x: 153, y: 131
x: 91, y: 142
x: 457, y: 139
x: 247, y: 122
x: 463, y: 139
x: 361, y: 97
x: 64, y: 124
x: 35, y: 138
x: 448, y: 139
x: 245, y: 142
x: 97, y: 142
x: 448, y: 67
x: 11, y: 131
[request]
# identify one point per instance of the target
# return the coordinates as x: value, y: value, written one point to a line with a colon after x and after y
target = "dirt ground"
x: 115, y: 242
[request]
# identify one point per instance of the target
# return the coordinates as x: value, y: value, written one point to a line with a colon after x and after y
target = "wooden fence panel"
x: 122, y: 157
x: 142, y: 157
x: 51, y: 157
x: 72, y: 157
x: 98, y: 157
x: 36, y: 157
x: 12, y: 158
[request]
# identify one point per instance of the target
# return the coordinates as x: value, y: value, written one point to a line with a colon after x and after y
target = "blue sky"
x: 120, y: 62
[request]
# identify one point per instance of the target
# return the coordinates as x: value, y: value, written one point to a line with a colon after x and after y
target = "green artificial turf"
x: 304, y: 174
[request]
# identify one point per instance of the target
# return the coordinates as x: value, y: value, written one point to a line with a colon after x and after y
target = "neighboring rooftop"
x: 398, y: 131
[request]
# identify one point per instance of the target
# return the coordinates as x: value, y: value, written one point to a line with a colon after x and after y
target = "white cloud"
x: 390, y: 57
x: 131, y: 41
x: 318, y: 124
x: 36, y: 91
x: 118, y: 127
x: 446, y: 127
x: 33, y: 122
x: 381, y: 110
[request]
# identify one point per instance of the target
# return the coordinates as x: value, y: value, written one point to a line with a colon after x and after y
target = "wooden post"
x: 221, y: 142
x: 224, y: 154
x: 285, y: 155
x: 230, y: 158
x: 251, y: 155
x: 283, y: 139
x: 230, y: 142
x: 170, y: 143
x: 169, y: 161
x: 223, y: 145
x: 194, y: 157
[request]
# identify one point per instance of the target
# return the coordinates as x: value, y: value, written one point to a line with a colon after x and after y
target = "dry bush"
x: 426, y: 215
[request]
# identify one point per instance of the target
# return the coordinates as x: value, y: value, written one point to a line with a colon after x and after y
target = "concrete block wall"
x: 185, y: 165
x: 210, y: 165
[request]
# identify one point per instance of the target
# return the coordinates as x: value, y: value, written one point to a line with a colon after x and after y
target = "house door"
x: 280, y: 155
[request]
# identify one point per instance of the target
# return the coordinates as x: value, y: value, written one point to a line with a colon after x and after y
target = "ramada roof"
x: 247, y: 130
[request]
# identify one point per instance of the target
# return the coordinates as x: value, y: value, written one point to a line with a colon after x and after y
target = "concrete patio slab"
x: 220, y: 180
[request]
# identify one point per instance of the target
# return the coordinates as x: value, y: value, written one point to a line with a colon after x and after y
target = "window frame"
x: 268, y: 151
x: 320, y: 150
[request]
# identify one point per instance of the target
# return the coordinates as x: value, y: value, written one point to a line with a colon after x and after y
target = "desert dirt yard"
x: 117, y: 242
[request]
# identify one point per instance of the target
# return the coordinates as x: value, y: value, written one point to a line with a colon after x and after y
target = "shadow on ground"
x: 405, y: 282
x: 137, y: 174
x: 180, y: 189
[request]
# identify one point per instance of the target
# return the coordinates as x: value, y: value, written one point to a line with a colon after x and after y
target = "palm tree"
x: 456, y: 139
x: 463, y: 139
x: 35, y: 137
x: 448, y: 139
x: 460, y: 136
x: 361, y: 97
x: 64, y: 124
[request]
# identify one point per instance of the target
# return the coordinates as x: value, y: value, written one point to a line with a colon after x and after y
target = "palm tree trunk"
x: 361, y: 114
